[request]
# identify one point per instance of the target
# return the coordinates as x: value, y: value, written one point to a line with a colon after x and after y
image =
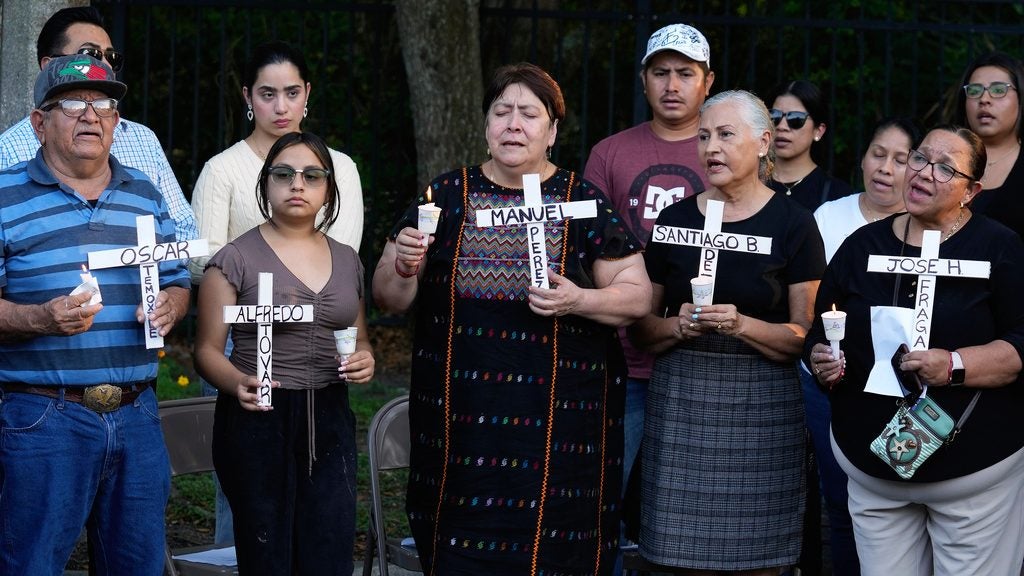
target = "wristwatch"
x: 958, y: 374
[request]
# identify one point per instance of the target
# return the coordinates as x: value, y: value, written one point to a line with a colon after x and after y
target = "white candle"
x: 89, y: 283
x: 429, y: 214
x: 835, y: 328
x: 345, y: 341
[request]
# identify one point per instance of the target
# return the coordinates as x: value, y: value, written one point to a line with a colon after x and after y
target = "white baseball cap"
x: 684, y: 39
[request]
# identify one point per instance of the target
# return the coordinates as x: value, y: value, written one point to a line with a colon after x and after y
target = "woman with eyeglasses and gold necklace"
x: 960, y: 512
x: 799, y: 110
x: 989, y: 102
x: 288, y: 469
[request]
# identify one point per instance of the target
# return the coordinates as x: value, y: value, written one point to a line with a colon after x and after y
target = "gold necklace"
x: 260, y: 153
x: 955, y: 227
x: 1004, y: 156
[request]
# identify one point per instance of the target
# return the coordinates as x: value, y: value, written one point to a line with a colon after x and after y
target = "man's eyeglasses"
x: 286, y: 175
x: 796, y: 120
x: 940, y: 171
x: 74, y: 108
x: 114, y: 58
x: 995, y: 89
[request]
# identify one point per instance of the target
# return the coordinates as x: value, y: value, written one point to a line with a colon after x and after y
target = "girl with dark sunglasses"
x: 798, y: 110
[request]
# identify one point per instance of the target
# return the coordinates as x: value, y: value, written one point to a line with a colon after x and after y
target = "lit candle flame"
x: 833, y: 306
x: 428, y: 194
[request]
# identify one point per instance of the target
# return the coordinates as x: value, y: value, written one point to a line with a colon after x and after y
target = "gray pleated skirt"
x: 723, y: 455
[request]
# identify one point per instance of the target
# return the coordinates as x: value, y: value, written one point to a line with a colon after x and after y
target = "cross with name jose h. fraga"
x: 928, y: 267
x: 264, y: 315
x: 711, y: 239
x: 147, y: 256
x: 533, y: 214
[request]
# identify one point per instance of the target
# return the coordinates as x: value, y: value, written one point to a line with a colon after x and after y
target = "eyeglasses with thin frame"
x: 995, y: 89
x: 795, y: 119
x: 941, y: 171
x: 75, y: 107
x: 286, y: 175
x: 114, y: 58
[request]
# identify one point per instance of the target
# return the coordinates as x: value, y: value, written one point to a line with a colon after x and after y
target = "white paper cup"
x: 429, y: 214
x: 835, y: 325
x: 703, y: 289
x: 91, y: 286
x: 345, y: 341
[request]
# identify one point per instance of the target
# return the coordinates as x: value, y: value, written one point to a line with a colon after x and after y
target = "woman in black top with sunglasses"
x: 798, y: 110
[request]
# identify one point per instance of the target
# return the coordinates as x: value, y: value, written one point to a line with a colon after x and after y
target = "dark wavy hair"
x: 1011, y: 65
x: 323, y: 154
x: 533, y: 77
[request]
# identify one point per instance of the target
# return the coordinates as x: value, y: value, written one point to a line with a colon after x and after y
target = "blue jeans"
x: 633, y: 428
x: 818, y: 414
x: 63, y: 466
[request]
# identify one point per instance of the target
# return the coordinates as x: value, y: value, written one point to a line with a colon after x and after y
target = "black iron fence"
x: 873, y: 57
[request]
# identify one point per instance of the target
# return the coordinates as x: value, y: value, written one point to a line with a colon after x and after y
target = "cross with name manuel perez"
x: 533, y: 214
x: 265, y: 314
x: 927, y: 268
x: 147, y: 256
x: 711, y: 239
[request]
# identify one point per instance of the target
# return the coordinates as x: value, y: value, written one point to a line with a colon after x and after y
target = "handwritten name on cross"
x: 711, y: 239
x: 147, y: 256
x: 533, y: 214
x: 927, y: 268
x: 265, y: 314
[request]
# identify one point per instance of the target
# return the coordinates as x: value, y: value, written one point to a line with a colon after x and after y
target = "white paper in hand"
x: 890, y: 327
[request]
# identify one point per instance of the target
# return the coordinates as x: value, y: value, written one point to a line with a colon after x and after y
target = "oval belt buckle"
x: 103, y: 398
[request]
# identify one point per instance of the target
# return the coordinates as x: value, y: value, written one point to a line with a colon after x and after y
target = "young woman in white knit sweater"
x: 276, y: 94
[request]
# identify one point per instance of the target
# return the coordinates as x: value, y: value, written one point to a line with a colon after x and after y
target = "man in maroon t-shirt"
x: 652, y: 165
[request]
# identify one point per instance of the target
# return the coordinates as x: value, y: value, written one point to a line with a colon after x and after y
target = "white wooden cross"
x: 533, y: 214
x: 265, y: 314
x: 927, y: 268
x: 147, y: 255
x: 711, y: 239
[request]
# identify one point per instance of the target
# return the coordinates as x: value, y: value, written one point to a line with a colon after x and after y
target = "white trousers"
x: 971, y: 525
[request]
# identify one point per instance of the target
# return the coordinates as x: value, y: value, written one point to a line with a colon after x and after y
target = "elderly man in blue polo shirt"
x: 80, y: 440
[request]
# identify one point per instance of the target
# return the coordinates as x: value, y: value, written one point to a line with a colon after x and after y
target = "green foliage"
x: 174, y: 381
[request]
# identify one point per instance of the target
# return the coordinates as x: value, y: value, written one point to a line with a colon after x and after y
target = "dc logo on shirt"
x: 658, y: 199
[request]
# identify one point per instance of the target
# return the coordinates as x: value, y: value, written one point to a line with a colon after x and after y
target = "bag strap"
x: 963, y: 418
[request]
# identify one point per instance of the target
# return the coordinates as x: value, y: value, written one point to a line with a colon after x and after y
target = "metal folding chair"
x: 388, y: 443
x: 188, y: 432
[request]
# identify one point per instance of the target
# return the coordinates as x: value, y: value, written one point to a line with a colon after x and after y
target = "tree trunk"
x: 20, y: 23
x: 441, y: 49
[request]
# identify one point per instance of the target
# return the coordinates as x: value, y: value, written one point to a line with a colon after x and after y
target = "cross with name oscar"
x: 533, y: 214
x: 711, y: 239
x: 147, y: 256
x: 927, y: 268
x: 265, y: 314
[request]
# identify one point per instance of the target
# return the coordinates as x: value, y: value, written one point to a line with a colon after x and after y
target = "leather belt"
x: 100, y: 398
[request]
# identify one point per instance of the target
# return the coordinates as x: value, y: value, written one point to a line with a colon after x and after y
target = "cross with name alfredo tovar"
x: 147, y: 256
x: 927, y: 267
x: 265, y: 314
x: 533, y: 214
x: 711, y: 239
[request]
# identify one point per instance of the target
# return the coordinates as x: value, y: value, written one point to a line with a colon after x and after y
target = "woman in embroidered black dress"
x: 516, y: 398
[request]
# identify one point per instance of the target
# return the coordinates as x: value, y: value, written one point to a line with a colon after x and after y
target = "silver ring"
x: 692, y: 325
x: 719, y: 325
x: 817, y: 371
